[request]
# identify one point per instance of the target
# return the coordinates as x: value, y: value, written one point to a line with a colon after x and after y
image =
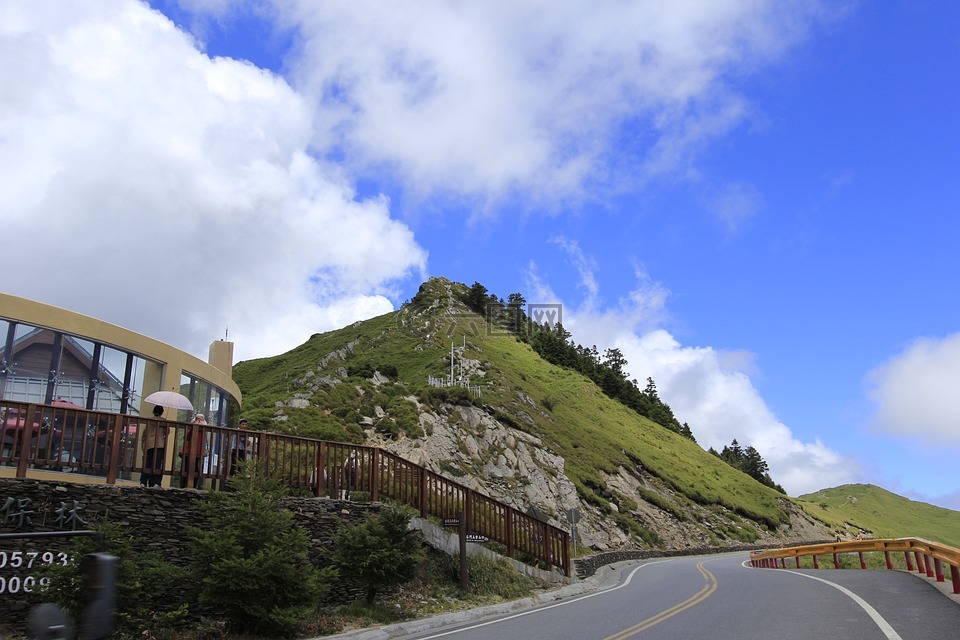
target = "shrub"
x: 252, y: 562
x: 405, y: 416
x: 150, y: 598
x: 314, y: 422
x: 379, y: 553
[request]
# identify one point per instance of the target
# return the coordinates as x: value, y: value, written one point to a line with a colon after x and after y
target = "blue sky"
x: 757, y: 202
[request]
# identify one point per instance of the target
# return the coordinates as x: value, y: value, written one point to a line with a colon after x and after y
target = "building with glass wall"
x: 48, y: 355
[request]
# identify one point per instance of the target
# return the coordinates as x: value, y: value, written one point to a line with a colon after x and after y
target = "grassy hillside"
x: 566, y: 410
x: 883, y: 514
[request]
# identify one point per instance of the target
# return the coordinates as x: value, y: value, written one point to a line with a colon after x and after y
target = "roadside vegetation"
x: 254, y: 575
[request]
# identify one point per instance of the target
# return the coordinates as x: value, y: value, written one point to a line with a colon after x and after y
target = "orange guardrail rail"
x: 930, y: 557
x: 72, y: 442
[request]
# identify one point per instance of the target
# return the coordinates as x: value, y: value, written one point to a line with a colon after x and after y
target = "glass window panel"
x: 5, y: 360
x: 30, y: 363
x: 110, y: 373
x: 206, y: 398
x: 135, y: 385
x: 73, y: 380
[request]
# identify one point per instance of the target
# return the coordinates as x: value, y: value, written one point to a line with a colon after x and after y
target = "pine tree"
x: 379, y: 553
x: 252, y: 563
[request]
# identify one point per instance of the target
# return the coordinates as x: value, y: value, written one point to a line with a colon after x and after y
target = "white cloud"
x: 704, y: 388
x: 549, y: 99
x: 916, y: 391
x: 736, y: 203
x: 721, y: 404
x: 171, y: 193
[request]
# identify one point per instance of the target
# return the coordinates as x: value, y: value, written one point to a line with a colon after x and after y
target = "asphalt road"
x: 717, y: 598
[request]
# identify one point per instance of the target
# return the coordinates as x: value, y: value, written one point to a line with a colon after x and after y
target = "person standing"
x: 153, y: 445
x: 350, y: 474
x: 238, y: 450
x: 195, y: 445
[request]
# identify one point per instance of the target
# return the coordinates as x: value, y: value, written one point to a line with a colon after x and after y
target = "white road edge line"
x: 884, y: 626
x: 538, y: 610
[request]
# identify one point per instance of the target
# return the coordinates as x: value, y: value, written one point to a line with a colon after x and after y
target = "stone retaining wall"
x: 155, y: 517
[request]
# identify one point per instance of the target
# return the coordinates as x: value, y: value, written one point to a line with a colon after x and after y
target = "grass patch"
x: 883, y: 514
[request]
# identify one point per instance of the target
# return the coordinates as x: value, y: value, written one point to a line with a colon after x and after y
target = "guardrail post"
x: 919, y: 557
x: 906, y: 554
x: 955, y: 577
x: 798, y: 561
x: 509, y: 527
x: 863, y: 562
x: 816, y: 563
x: 938, y: 569
x: 928, y: 561
x: 836, y: 561
x: 886, y: 555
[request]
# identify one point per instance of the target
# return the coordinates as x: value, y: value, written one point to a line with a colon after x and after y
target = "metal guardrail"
x: 930, y: 557
x: 74, y: 441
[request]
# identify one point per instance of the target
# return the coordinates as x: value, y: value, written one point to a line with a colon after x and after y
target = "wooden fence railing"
x: 930, y: 557
x: 71, y: 440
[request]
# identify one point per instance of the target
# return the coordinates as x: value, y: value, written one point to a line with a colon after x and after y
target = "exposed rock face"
x: 483, y: 454
x: 515, y: 467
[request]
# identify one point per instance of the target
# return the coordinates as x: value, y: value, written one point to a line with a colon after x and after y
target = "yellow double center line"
x: 693, y: 600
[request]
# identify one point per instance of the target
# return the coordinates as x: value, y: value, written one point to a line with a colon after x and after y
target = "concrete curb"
x: 605, y: 578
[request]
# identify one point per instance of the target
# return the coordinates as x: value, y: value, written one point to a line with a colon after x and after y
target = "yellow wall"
x: 50, y: 317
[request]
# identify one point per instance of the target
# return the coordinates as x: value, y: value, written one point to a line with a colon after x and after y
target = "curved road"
x: 718, y: 598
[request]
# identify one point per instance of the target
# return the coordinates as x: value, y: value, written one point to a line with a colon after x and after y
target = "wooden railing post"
x: 548, y: 546
x: 319, y: 471
x: 26, y: 436
x: 115, y: 435
x: 510, y: 532
x: 468, y: 509
x: 423, y: 491
x: 375, y: 475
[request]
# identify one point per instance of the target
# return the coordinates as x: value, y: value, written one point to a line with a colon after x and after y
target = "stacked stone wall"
x: 156, y: 518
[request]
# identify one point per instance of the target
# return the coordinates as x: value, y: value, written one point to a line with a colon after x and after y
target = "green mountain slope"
x: 883, y: 514
x: 627, y: 470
